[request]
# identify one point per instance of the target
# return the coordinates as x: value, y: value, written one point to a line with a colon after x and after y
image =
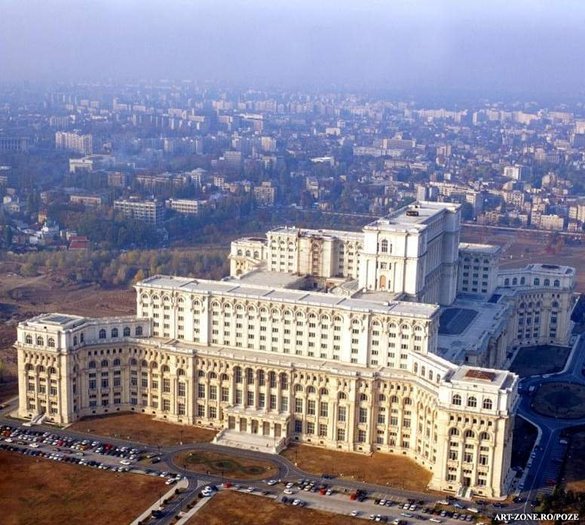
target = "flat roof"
x: 269, y: 293
x: 466, y: 326
x: 487, y: 249
x: 338, y: 234
x: 498, y: 378
x: 417, y: 216
x: 263, y: 277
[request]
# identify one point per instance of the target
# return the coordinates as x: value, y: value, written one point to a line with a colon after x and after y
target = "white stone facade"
x: 348, y: 374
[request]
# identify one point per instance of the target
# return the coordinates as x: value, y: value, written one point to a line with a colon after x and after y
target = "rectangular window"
x: 181, y: 389
x: 201, y: 391
x: 363, y: 416
x: 324, y: 409
x: 341, y: 414
x: 298, y: 405
x: 311, y: 407
x: 340, y: 434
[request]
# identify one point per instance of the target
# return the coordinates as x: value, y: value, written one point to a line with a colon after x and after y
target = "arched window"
x: 28, y: 367
x: 256, y: 255
x: 28, y: 339
x: 126, y: 331
x: 201, y: 373
x: 102, y: 334
x: 40, y: 341
x: 453, y: 432
x: 506, y: 281
x: 472, y: 402
x: 484, y: 436
x: 394, y: 399
x: 104, y: 363
x: 52, y: 370
x: 469, y: 434
x: 310, y: 390
x: 536, y: 281
x: 384, y: 246
x: 164, y: 369
x: 557, y: 283
x: 116, y: 362
x: 555, y: 304
x: 514, y: 281
x: 239, y: 253
x: 341, y: 396
x: 114, y: 332
x: 51, y: 342
x: 382, y: 398
x: 74, y: 340
x: 456, y: 400
x: 363, y: 397
x: 522, y: 280
x: 138, y: 330
x: 144, y: 363
x: 91, y: 364
x: 133, y: 362
x: 546, y: 282
x: 487, y: 404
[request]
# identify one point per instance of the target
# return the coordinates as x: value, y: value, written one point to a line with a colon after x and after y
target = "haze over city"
x: 525, y: 46
x: 260, y: 256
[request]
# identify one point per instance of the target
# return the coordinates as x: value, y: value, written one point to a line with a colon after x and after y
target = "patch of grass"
x: 574, y: 468
x: 235, y: 508
x: 227, y: 465
x: 561, y: 400
x: 525, y: 435
x: 535, y: 360
x: 383, y: 469
x: 143, y: 428
x: 36, y: 491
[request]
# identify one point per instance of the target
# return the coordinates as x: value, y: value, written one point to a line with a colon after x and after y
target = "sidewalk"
x: 183, y: 484
x: 193, y: 511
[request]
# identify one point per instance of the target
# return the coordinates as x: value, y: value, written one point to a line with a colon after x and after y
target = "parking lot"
x: 85, y: 452
x: 373, y: 506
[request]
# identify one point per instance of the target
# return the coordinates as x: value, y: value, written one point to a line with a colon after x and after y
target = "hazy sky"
x: 479, y: 45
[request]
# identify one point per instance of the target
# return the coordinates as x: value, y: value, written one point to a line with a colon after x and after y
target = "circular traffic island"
x: 560, y: 400
x: 226, y: 465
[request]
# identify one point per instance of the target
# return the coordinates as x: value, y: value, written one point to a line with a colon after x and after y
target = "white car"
x: 298, y: 503
x: 354, y: 513
x: 34, y: 445
x: 125, y: 462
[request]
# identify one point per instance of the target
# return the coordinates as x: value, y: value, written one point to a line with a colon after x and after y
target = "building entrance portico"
x: 251, y: 429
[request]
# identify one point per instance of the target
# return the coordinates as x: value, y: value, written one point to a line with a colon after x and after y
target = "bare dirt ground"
x: 143, y: 428
x: 35, y: 491
x: 235, y: 508
x: 24, y: 297
x: 522, y: 248
x: 382, y: 469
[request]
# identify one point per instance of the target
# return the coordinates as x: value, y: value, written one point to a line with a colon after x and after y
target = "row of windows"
x: 536, y: 282
x: 472, y: 402
x: 115, y: 332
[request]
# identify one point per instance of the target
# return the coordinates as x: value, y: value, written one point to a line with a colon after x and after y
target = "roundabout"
x: 560, y: 400
x: 226, y: 465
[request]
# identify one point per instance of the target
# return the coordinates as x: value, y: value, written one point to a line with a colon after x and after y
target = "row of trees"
x: 109, y: 268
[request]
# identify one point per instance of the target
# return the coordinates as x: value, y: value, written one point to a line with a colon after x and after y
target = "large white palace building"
x: 390, y: 340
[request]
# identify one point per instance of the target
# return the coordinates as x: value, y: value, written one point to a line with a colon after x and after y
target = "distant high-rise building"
x: 517, y: 172
x: 74, y: 142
